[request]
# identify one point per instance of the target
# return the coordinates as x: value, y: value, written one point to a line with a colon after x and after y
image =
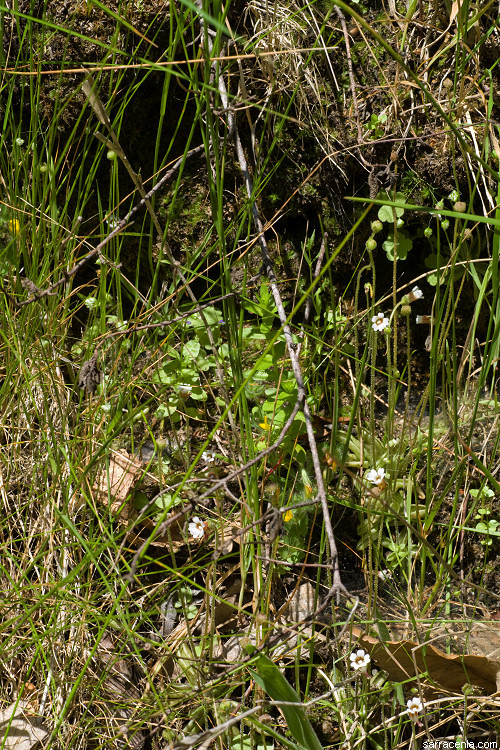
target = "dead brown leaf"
x: 404, y: 660
x: 454, y: 11
x: 116, y: 480
x: 18, y: 730
x: 173, y: 538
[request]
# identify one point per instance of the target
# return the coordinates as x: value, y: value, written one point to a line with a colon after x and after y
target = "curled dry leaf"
x: 116, y: 480
x: 90, y: 375
x: 483, y: 639
x: 18, y: 730
x: 30, y: 286
x: 172, y: 538
x: 403, y: 660
x: 227, y: 537
x: 302, y: 603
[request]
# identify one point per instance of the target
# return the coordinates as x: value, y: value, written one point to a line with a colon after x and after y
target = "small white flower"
x: 91, y: 302
x: 375, y: 476
x: 208, y: 457
x: 380, y: 322
x: 196, y: 528
x: 415, y: 293
x: 184, y: 390
x: 415, y: 706
x: 359, y: 659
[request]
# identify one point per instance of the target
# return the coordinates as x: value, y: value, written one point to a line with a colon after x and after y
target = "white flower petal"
x: 414, y: 706
x: 196, y: 528
x: 380, y: 322
x: 375, y: 476
x: 359, y: 659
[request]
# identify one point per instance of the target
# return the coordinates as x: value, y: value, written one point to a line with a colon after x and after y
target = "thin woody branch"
x: 338, y: 587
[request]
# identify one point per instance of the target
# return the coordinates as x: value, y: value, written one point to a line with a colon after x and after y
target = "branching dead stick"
x: 206, y: 738
x: 161, y: 529
x: 166, y: 323
x: 89, y: 88
x: 351, y: 74
x: 337, y: 583
x: 68, y: 274
x: 173, y: 169
x: 337, y: 587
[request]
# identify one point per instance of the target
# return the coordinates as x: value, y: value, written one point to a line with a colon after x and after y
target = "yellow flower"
x: 14, y: 227
x: 265, y: 424
x: 288, y: 516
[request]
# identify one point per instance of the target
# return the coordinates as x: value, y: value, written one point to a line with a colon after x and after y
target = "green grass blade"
x: 270, y: 679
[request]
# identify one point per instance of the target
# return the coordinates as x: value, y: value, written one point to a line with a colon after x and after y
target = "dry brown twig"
x: 162, y: 526
x: 337, y: 586
x: 101, y: 114
x: 67, y: 275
